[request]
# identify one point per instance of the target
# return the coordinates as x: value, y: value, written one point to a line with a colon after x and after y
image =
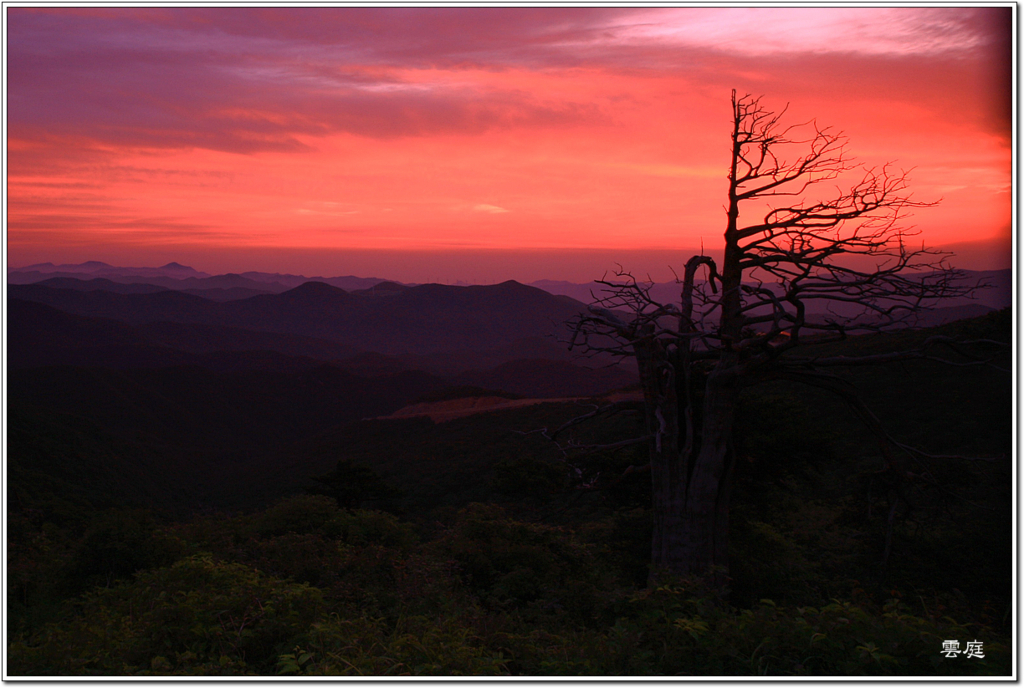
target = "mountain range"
x: 174, y: 314
x: 425, y: 319
x: 177, y: 277
x: 91, y: 275
x: 196, y: 395
x: 198, y: 380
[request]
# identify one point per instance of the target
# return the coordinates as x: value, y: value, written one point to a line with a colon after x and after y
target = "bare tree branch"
x: 816, y: 250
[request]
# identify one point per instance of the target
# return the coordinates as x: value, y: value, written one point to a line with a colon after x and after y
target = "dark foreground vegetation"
x: 469, y: 547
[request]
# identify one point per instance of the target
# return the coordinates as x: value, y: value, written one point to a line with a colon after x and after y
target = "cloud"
x: 61, y: 228
x: 846, y: 30
x: 330, y: 213
x: 493, y: 209
x: 269, y: 79
x: 234, y: 81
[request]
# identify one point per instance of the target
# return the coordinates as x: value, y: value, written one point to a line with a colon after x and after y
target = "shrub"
x: 116, y: 545
x: 416, y: 645
x: 299, y: 514
x: 196, y: 617
x: 361, y: 528
x: 676, y: 630
x: 512, y: 564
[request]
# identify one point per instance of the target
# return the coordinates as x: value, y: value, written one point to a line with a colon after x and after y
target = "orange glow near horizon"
x: 163, y: 133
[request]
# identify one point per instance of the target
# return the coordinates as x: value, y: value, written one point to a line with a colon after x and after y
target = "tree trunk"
x: 691, y: 492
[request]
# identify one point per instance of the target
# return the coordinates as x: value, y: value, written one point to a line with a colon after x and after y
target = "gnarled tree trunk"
x: 691, y: 480
x: 786, y: 257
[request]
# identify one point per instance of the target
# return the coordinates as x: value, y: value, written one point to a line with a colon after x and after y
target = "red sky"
x: 477, y: 144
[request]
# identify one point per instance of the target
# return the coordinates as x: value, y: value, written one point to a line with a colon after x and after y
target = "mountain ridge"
x: 424, y: 319
x: 171, y: 276
x: 174, y: 275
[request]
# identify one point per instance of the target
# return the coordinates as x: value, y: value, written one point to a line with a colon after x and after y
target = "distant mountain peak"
x: 314, y: 287
x: 174, y: 266
x: 382, y: 289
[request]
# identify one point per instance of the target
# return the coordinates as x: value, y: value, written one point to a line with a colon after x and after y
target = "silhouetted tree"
x: 803, y: 260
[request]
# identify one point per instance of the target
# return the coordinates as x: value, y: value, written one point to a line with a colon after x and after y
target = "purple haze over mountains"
x: 95, y: 276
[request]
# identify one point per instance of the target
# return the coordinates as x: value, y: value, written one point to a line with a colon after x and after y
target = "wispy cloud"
x: 195, y: 78
x: 492, y: 209
x: 328, y: 213
x: 849, y: 30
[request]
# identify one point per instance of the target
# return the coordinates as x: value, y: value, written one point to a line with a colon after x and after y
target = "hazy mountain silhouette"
x: 132, y: 308
x: 39, y: 334
x: 416, y: 320
x: 101, y: 284
x: 87, y: 266
x: 196, y: 392
x: 180, y: 277
x: 172, y: 282
x: 99, y: 269
x: 381, y: 289
x: 223, y: 294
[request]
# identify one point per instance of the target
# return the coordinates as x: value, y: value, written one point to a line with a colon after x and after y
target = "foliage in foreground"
x: 305, y: 588
x: 551, y: 582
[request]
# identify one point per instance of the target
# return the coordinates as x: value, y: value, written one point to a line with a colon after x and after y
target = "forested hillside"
x: 197, y: 512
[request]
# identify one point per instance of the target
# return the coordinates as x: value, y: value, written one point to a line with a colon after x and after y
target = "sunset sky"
x: 476, y: 144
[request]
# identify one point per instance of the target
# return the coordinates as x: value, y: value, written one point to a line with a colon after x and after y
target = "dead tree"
x: 814, y: 250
